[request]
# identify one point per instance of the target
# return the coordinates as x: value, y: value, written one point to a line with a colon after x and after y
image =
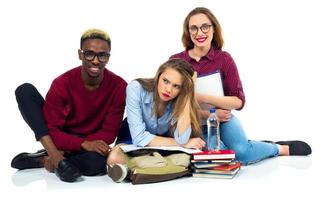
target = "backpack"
x: 152, y: 166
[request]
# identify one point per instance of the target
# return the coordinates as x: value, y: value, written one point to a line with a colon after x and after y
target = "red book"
x: 214, y: 154
x: 227, y: 167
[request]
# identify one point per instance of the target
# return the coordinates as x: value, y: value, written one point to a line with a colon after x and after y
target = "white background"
x: 276, y: 45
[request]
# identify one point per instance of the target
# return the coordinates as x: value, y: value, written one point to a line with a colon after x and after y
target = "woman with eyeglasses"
x: 203, y: 42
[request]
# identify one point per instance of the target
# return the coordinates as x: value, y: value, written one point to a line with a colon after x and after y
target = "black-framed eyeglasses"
x: 90, y: 55
x: 204, y: 28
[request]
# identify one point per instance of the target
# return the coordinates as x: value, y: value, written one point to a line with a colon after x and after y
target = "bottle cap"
x: 212, y: 110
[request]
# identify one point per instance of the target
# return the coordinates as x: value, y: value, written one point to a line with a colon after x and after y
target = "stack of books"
x: 215, y: 164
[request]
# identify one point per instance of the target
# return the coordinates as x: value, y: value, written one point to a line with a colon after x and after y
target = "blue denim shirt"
x: 143, y: 124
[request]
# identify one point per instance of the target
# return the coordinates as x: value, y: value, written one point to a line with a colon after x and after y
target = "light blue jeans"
x: 247, y: 151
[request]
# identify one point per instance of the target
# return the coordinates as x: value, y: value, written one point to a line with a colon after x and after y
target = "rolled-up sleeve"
x: 183, y: 137
x: 134, y: 111
x: 231, y: 82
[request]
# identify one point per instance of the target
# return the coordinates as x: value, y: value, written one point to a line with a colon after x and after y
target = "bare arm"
x: 162, y: 141
x: 195, y: 143
x: 226, y: 102
x: 222, y: 115
x: 55, y: 155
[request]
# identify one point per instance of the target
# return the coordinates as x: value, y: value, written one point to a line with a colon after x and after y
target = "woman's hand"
x: 194, y: 77
x: 195, y: 143
x: 223, y: 115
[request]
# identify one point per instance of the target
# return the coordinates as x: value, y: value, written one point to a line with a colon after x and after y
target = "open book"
x: 131, y: 147
x: 210, y: 84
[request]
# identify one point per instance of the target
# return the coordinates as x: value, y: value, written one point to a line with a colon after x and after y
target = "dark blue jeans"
x: 30, y: 103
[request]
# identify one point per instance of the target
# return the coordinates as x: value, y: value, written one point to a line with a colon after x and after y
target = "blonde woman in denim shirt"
x: 161, y: 111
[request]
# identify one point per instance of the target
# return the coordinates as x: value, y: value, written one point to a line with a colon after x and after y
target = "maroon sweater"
x: 222, y: 61
x: 75, y: 114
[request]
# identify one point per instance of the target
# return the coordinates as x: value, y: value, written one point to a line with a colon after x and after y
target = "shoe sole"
x: 117, y: 173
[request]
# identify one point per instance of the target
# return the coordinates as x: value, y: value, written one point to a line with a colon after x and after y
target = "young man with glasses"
x: 79, y: 118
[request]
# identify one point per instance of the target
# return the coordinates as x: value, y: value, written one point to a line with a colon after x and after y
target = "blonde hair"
x: 186, y: 93
x: 95, y: 33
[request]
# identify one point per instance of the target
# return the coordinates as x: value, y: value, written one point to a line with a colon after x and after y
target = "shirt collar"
x: 210, y: 55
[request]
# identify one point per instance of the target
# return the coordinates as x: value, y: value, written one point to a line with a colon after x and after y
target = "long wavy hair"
x: 187, y: 93
x: 217, y: 41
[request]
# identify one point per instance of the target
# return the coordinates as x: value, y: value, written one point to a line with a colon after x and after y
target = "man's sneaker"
x: 117, y: 172
x: 28, y: 160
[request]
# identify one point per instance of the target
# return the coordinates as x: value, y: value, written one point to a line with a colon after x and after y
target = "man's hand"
x: 52, y: 160
x: 195, y: 143
x: 223, y: 115
x: 55, y: 159
x: 98, y: 146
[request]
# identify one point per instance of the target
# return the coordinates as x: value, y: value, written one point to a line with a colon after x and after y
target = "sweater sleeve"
x: 55, y: 111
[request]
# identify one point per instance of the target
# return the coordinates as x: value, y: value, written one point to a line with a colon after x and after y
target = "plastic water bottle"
x: 213, y: 140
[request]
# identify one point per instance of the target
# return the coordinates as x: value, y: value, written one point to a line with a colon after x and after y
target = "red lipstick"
x: 165, y: 95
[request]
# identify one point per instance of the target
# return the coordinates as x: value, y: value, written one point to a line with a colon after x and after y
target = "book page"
x: 131, y: 147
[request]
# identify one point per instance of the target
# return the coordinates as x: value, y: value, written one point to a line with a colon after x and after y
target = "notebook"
x: 209, y: 84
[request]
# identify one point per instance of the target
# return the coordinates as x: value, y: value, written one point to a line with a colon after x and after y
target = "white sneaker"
x: 117, y: 172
